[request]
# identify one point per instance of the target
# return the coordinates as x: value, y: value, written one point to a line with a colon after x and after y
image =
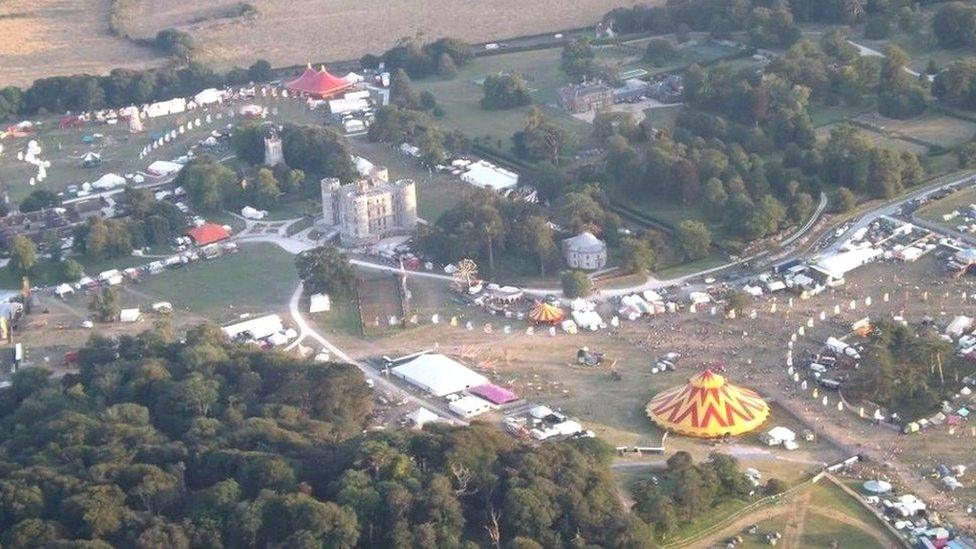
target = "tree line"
x: 120, y: 88
x: 767, y: 24
x: 157, y: 442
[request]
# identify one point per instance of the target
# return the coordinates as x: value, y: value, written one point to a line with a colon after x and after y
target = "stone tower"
x: 272, y: 149
x: 330, y: 198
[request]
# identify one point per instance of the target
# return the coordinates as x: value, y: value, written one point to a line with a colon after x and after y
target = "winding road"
x: 380, y: 381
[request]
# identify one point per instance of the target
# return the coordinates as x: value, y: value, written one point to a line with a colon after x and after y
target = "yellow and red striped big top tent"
x: 708, y: 407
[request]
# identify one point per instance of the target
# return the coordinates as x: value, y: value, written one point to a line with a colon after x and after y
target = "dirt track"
x: 799, y: 511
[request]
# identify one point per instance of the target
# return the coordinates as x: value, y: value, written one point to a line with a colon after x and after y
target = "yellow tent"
x: 544, y: 313
x: 708, y: 407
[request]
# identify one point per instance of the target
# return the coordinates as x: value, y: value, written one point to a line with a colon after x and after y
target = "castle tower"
x: 330, y: 190
x: 406, y: 203
x: 272, y: 150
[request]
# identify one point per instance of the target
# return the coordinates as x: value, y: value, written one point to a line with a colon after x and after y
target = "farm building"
x: 470, y: 406
x: 208, y: 233
x: 580, y: 98
x: 585, y: 251
x: 438, y: 375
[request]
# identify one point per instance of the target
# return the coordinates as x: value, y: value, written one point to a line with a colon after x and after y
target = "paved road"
x: 890, y: 208
x: 380, y: 382
x: 865, y: 51
x: 296, y: 246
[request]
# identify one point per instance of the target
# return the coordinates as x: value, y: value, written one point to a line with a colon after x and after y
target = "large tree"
x: 326, y: 270
x: 23, y: 255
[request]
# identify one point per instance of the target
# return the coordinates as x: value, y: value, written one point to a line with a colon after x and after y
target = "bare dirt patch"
x: 62, y: 37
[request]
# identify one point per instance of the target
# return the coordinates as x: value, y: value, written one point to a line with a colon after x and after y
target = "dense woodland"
x: 206, y: 443
x: 909, y: 370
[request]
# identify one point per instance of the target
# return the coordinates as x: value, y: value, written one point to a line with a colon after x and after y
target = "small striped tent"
x: 544, y: 313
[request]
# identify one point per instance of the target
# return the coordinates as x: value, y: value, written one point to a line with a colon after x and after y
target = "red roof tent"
x: 208, y: 233
x: 319, y: 83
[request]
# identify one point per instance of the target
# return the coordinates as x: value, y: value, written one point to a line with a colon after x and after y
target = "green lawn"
x: 460, y: 96
x: 258, y: 279
x: 822, y: 531
x: 822, y: 115
x: 694, y: 51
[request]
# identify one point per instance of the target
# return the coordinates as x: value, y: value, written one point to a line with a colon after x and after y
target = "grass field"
x: 693, y: 51
x: 880, y: 140
x: 460, y: 96
x: 297, y: 31
x: 934, y: 128
x: 258, y: 279
x: 49, y: 37
x: 118, y: 148
x: 62, y: 37
x: 960, y: 201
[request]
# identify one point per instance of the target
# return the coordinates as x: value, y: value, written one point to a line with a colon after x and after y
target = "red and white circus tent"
x: 318, y: 83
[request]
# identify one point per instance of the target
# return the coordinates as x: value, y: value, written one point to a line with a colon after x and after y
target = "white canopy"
x: 108, y: 181
x: 489, y: 176
x: 422, y: 416
x: 129, y: 315
x: 208, y: 96
x: 163, y: 167
x: 163, y: 108
x: 258, y: 328
x: 319, y: 303
x: 438, y: 374
x: 877, y: 486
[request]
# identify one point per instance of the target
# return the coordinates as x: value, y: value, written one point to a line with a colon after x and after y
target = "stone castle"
x: 370, y: 209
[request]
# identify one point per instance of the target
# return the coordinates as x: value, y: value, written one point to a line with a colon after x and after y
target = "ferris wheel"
x: 466, y: 274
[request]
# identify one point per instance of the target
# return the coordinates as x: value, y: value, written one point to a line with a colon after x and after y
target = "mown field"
x: 62, y: 37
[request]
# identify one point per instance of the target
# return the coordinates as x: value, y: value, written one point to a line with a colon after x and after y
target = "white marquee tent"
x: 438, y: 374
x: 489, y: 176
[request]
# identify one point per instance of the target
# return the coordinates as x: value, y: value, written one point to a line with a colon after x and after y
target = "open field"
x: 460, y: 96
x: 258, y: 279
x: 933, y: 128
x: 817, y: 516
x: 960, y: 201
x: 879, y: 139
x: 62, y: 37
x: 697, y: 50
x: 293, y: 32
x: 118, y: 148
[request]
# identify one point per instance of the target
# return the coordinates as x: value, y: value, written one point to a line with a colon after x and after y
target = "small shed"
x: 470, y: 406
